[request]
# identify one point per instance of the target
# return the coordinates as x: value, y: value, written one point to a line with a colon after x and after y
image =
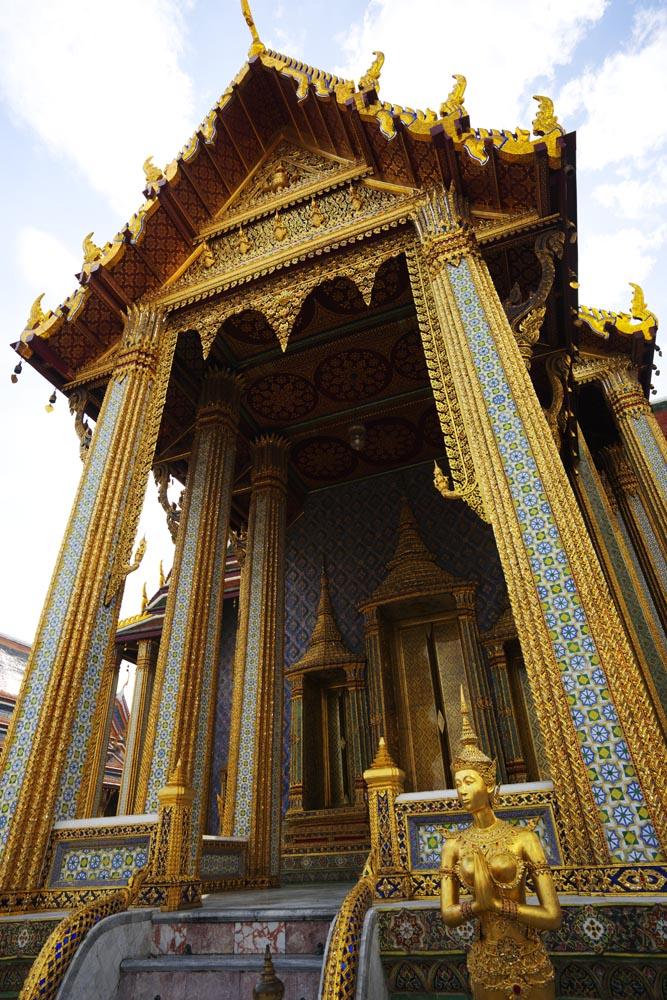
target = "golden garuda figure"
x: 492, y: 859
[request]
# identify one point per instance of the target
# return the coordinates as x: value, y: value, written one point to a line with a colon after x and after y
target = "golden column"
x: 252, y: 800
x: 607, y: 757
x: 644, y: 442
x: 59, y: 711
x: 180, y: 725
x: 627, y: 493
x: 355, y: 677
x: 136, y: 731
x: 296, y: 744
x: 515, y: 765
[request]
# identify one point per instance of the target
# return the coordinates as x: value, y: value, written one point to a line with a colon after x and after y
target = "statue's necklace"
x: 496, y: 835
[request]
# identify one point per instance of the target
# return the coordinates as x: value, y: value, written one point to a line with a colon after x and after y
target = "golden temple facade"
x: 351, y: 330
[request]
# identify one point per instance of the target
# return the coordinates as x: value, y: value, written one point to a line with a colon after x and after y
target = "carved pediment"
x: 288, y: 171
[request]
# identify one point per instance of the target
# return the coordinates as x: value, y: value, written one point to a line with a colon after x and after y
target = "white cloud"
x: 508, y: 46
x: 608, y: 262
x: 100, y: 86
x: 623, y: 100
x: 635, y: 197
x: 42, y: 254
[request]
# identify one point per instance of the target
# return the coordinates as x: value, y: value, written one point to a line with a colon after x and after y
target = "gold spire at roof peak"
x: 257, y: 46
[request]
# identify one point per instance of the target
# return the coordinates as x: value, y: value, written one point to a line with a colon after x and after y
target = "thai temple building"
x: 348, y: 334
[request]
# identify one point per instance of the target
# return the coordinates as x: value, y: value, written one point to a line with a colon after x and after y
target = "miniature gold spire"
x: 257, y: 46
x: 383, y: 757
x: 469, y: 755
x: 144, y: 598
x: 161, y: 574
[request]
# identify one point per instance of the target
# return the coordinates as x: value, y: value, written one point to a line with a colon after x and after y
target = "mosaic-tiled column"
x: 252, y: 802
x: 380, y: 718
x: 478, y: 685
x: 357, y: 727
x: 607, y: 756
x: 296, y: 744
x: 627, y: 492
x: 147, y: 650
x: 58, y: 713
x: 644, y: 443
x: 180, y: 726
x: 515, y: 765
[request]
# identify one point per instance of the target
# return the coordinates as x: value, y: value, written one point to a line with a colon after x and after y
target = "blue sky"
x: 88, y: 92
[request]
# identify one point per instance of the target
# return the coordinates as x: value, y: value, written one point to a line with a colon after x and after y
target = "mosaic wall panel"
x: 644, y: 430
x: 244, y: 777
x: 56, y: 606
x: 208, y: 667
x: 97, y: 862
x: 354, y: 526
x: 20, y: 943
x: 223, y: 707
x: 427, y: 835
x: 653, y: 655
x: 616, y: 952
x: 222, y: 864
x: 169, y: 694
x: 618, y: 795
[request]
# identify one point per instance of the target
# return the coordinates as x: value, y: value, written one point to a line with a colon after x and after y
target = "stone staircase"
x: 218, y: 951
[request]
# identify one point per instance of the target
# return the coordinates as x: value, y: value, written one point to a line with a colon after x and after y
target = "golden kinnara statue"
x: 492, y: 858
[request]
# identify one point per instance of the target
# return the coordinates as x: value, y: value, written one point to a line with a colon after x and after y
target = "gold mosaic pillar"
x: 136, y: 731
x: 180, y: 726
x: 296, y: 744
x: 607, y: 757
x: 378, y: 709
x: 644, y: 443
x: 627, y: 493
x: 515, y: 765
x: 478, y: 685
x: 59, y: 712
x: 358, y: 727
x: 252, y: 802
x: 384, y: 781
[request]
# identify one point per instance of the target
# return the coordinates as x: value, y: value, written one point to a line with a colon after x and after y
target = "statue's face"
x: 472, y: 791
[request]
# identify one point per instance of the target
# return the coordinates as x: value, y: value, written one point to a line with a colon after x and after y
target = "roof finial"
x: 371, y: 78
x: 257, y: 47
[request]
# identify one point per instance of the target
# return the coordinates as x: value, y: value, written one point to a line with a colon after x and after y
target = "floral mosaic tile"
x: 617, y: 793
x: 97, y: 864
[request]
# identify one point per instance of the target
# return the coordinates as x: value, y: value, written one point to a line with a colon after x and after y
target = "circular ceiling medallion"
x: 251, y: 327
x: 429, y: 425
x: 282, y: 397
x: 390, y: 440
x: 408, y: 357
x: 324, y: 458
x: 352, y: 376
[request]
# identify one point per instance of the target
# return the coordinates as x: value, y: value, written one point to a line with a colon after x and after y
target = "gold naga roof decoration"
x: 640, y: 319
x: 452, y: 119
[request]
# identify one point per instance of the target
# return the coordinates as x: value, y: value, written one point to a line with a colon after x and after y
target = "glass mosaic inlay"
x: 48, y: 638
x: 617, y: 793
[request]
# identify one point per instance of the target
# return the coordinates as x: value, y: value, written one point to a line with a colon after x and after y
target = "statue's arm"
x: 546, y: 915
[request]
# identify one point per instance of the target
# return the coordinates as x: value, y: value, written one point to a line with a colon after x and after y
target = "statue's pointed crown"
x: 469, y: 755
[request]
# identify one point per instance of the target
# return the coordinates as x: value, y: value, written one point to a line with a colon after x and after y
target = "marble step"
x: 242, y: 931
x: 225, y: 977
